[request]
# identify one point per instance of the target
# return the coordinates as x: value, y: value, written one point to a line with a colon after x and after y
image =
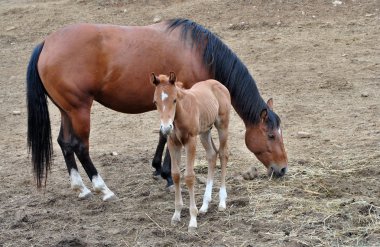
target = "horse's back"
x: 111, y: 64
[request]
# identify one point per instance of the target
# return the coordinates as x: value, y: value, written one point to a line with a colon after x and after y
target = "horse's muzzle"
x: 277, y: 171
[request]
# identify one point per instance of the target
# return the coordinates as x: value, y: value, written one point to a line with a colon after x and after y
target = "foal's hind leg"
x: 80, y: 120
x: 211, y: 159
x: 223, y: 156
x: 65, y: 141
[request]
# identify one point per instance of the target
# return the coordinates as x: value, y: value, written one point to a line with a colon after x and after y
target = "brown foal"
x: 184, y: 114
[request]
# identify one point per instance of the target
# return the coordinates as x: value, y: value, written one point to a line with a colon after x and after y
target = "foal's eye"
x: 174, y: 101
x: 271, y: 136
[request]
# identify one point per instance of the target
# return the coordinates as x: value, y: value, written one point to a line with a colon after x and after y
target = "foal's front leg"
x: 175, y: 154
x: 189, y: 179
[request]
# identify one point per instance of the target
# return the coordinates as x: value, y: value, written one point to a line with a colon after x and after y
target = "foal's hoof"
x: 192, y: 229
x: 222, y: 207
x: 175, y: 222
x: 170, y: 189
x: 110, y: 197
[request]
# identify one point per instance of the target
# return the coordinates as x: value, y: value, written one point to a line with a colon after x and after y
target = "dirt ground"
x: 319, y: 60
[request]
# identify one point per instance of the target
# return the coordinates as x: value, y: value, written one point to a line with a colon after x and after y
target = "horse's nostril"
x: 283, y: 171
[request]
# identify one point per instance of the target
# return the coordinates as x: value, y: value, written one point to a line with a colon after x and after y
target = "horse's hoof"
x: 85, y: 195
x: 170, y: 189
x: 156, y: 175
x: 192, y: 229
x: 110, y: 197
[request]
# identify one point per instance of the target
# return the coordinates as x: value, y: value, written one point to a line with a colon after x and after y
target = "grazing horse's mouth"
x: 276, y: 171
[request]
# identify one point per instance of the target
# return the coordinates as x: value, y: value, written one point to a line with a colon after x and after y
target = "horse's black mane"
x: 229, y: 70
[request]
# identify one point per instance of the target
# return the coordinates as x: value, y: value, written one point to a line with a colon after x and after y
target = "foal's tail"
x: 39, y: 132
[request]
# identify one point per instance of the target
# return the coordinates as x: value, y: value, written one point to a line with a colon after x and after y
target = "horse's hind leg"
x: 156, y: 163
x: 65, y: 141
x: 80, y: 120
x: 211, y: 159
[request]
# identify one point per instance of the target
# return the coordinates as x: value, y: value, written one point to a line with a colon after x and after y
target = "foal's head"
x: 165, y: 99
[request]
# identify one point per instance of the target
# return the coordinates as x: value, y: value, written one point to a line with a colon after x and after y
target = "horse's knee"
x: 189, y: 180
x: 176, y: 177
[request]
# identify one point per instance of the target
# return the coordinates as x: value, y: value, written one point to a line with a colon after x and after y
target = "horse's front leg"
x: 175, y: 153
x: 189, y: 180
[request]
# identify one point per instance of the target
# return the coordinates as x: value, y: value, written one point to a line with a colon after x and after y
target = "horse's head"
x: 265, y: 141
x: 165, y: 99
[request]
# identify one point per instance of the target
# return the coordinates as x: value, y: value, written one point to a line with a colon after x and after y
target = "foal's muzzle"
x: 166, y: 129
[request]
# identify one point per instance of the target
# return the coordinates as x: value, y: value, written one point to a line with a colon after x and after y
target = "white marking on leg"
x: 78, y: 185
x: 100, y: 186
x: 222, y: 198
x: 164, y: 96
x: 177, y: 205
x: 207, y: 197
x: 193, y: 219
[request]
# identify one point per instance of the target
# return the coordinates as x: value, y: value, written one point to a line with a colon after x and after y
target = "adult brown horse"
x: 82, y: 63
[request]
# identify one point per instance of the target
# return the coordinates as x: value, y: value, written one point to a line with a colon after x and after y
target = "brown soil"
x: 320, y: 63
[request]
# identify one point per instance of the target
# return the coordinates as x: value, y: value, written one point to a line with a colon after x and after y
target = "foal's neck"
x: 182, y: 106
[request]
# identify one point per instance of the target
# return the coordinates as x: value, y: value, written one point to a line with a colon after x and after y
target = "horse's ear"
x: 270, y: 103
x: 264, y: 115
x: 153, y: 79
x: 172, y: 77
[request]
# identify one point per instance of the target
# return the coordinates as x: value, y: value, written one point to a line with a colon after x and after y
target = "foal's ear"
x: 270, y: 103
x: 153, y: 79
x: 172, y: 78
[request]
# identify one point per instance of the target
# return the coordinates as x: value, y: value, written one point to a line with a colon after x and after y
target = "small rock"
x: 365, y: 95
x: 16, y: 112
x: 114, y: 153
x: 337, y: 2
x: 125, y: 10
x: 250, y: 174
x: 303, y: 134
x: 157, y: 19
x: 10, y: 28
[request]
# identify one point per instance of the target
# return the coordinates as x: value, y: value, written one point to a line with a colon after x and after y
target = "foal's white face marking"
x: 279, y: 131
x: 164, y: 96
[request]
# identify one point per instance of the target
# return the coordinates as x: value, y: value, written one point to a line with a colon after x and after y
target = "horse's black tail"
x: 39, y: 132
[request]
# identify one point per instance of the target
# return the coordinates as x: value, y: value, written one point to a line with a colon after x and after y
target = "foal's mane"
x: 229, y: 70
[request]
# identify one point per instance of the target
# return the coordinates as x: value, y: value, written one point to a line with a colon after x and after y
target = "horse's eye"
x: 271, y: 136
x: 174, y: 101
